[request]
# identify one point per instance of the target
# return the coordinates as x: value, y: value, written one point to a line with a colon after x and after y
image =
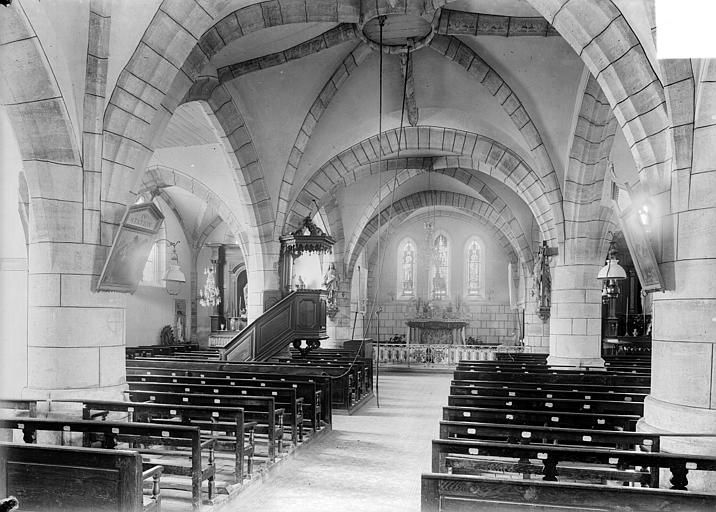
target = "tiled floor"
x: 371, y: 461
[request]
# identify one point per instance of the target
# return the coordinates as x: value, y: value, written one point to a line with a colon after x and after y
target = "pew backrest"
x: 462, y: 493
x: 51, y: 478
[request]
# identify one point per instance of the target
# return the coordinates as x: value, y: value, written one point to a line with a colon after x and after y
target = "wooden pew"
x: 551, y: 456
x: 343, y: 385
x: 522, y: 367
x: 306, y: 392
x: 467, y: 493
x: 261, y: 409
x: 527, y: 434
x: 601, y: 421
x: 225, y: 424
x: 20, y: 405
x: 49, y: 478
x: 558, y: 377
x: 548, y: 404
x: 315, y: 391
x: 284, y: 398
x: 113, y: 432
x: 543, y: 386
x: 515, y: 391
x: 531, y: 434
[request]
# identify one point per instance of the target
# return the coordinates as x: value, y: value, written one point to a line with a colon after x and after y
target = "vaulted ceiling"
x: 309, y: 91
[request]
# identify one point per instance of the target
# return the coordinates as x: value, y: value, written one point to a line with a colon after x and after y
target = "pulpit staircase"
x: 300, y: 316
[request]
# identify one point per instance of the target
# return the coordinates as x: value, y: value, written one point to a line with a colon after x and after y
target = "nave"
x: 370, y: 461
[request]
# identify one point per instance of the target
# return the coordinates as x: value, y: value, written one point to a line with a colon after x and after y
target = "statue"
x: 179, y: 327
x: 331, y: 282
x: 300, y: 285
x: 542, y: 284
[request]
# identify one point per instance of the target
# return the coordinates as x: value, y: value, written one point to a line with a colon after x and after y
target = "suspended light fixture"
x: 611, y: 273
x: 174, y: 278
x: 210, y: 296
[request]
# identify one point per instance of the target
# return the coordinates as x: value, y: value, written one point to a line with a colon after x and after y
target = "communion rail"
x: 436, y: 356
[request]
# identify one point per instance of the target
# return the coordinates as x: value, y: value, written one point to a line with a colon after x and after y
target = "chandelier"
x: 209, y: 296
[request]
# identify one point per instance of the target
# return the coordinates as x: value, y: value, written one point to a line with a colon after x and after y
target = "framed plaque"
x: 641, y: 252
x: 134, y: 240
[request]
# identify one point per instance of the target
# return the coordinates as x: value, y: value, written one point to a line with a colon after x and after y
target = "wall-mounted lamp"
x: 611, y: 273
x: 174, y: 278
x: 646, y: 214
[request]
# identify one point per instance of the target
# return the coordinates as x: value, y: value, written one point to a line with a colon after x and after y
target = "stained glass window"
x: 474, y: 260
x: 406, y: 278
x: 440, y: 275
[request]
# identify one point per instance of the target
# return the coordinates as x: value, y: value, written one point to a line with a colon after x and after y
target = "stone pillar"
x: 683, y: 373
x: 575, y: 320
x: 536, y: 332
x: 339, y: 327
x: 76, y: 337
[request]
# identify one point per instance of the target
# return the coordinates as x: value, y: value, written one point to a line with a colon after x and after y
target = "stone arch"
x: 158, y: 177
x: 462, y: 175
x: 471, y: 151
x: 52, y: 163
x: 425, y: 199
x: 586, y: 217
x: 339, y: 77
x: 179, y: 41
x: 234, y: 135
x: 464, y: 56
x: 602, y: 37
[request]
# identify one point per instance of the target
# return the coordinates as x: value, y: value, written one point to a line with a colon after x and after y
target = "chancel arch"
x: 406, y: 169
x: 476, y: 150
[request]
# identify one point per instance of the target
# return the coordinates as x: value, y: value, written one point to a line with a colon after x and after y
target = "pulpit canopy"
x: 309, y: 238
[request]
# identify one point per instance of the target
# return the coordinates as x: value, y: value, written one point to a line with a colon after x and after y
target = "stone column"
x: 536, y: 331
x: 339, y: 327
x: 575, y: 320
x: 76, y: 337
x: 683, y: 373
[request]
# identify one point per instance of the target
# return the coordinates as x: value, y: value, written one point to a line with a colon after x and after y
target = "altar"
x: 435, y: 331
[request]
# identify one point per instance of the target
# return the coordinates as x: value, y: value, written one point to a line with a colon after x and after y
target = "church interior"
x: 355, y: 255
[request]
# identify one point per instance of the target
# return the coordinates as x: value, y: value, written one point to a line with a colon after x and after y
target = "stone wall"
x: 492, y: 323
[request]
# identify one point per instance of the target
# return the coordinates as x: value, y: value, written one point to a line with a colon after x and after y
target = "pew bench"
x: 467, y: 493
x: 541, y: 386
x: 590, y: 420
x: 20, y: 405
x: 316, y: 390
x: 557, y: 377
x: 555, y: 457
x: 343, y: 388
x: 285, y: 398
x: 45, y: 478
x: 309, y: 392
x: 221, y: 423
x: 260, y: 409
x: 548, y: 404
x: 181, y: 449
x: 518, y: 391
x: 536, y: 435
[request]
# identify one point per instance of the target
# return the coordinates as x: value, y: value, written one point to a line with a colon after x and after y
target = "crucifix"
x: 542, y: 285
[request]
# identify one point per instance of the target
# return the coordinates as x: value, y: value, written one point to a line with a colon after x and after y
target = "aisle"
x: 370, y: 462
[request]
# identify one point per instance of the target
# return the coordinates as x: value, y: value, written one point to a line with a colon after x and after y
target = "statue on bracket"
x: 542, y: 284
x: 331, y: 281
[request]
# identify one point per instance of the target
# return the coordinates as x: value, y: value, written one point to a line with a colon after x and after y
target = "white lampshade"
x: 612, y: 270
x: 174, y: 278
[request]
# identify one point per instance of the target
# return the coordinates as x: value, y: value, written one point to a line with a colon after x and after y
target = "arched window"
x: 406, y: 268
x: 474, y: 268
x: 439, y: 275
